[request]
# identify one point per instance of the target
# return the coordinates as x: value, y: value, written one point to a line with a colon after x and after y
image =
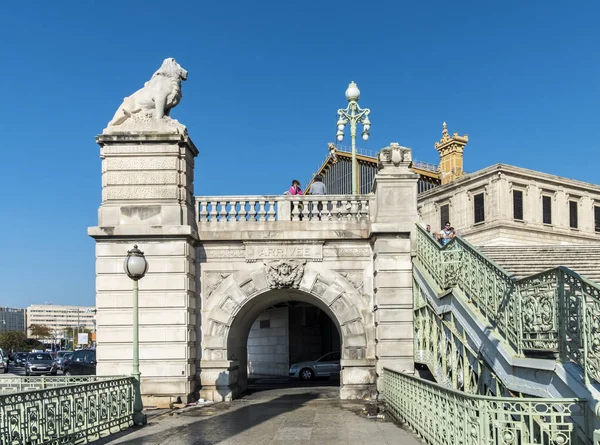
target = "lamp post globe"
x: 352, y: 92
x: 353, y: 115
x: 135, y: 264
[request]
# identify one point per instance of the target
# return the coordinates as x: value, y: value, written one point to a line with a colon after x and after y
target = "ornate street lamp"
x: 355, y: 115
x: 136, y: 267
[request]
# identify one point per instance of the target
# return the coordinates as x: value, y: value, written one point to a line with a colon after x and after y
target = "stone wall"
x: 268, y: 344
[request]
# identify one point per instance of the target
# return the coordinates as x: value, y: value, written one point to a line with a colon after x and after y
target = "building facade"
x: 12, y: 319
x: 503, y: 205
x: 63, y: 321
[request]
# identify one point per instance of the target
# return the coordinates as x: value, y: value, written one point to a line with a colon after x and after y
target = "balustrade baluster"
x: 295, y: 210
x: 243, y: 213
x: 223, y: 211
x: 327, y: 209
x: 354, y: 209
x: 213, y: 211
x: 261, y: 211
x: 202, y: 211
x: 252, y: 211
x: 271, y: 214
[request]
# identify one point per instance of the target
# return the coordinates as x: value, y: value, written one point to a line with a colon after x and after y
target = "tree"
x: 13, y: 341
x: 40, y: 331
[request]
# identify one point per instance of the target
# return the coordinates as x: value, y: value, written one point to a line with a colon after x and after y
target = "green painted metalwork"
x: 553, y: 311
x: 445, y: 416
x: 78, y: 413
x: 19, y: 384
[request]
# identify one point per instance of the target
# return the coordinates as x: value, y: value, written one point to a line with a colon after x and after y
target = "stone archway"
x: 231, y: 308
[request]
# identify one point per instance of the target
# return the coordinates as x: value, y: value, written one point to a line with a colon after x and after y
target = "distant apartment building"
x: 62, y: 320
x: 12, y: 319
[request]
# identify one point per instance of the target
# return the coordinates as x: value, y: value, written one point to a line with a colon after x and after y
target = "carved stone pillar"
x: 392, y: 229
x: 147, y: 199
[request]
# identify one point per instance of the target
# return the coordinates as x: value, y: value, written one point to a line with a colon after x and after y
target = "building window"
x: 444, y: 215
x: 518, y: 205
x: 478, y: 208
x: 546, y: 209
x: 573, y: 214
x: 265, y: 324
x: 597, y: 218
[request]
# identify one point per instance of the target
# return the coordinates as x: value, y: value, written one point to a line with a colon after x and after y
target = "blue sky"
x: 266, y: 78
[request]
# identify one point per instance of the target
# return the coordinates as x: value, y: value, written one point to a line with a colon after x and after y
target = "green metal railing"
x: 77, y: 413
x: 445, y: 416
x: 553, y: 311
x: 9, y: 385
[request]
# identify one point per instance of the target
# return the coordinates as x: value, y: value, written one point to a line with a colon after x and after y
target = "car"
x: 40, y: 363
x: 82, y: 362
x: 4, y: 361
x: 20, y: 358
x: 60, y: 358
x: 324, y: 366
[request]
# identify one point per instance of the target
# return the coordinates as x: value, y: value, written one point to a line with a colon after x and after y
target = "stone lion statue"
x: 161, y: 93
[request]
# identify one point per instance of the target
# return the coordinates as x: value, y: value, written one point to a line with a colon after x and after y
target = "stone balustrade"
x: 240, y: 209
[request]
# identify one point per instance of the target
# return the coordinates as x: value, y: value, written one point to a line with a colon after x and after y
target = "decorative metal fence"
x: 77, y: 413
x: 14, y: 384
x: 553, y: 311
x: 445, y: 416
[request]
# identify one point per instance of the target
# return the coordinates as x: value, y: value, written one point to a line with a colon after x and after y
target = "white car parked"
x: 324, y: 366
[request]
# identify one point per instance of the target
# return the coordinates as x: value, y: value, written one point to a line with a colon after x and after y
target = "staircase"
x: 512, y: 322
x: 524, y: 261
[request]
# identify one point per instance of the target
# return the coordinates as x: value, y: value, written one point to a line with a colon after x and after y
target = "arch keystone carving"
x: 284, y: 273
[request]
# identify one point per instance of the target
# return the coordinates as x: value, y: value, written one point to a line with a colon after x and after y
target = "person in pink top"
x: 295, y: 188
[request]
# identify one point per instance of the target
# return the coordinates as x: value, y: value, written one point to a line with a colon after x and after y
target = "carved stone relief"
x: 347, y: 252
x: 212, y: 281
x: 284, y: 273
x: 355, y: 278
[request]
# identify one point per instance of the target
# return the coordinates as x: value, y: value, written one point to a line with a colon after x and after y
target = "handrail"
x: 552, y: 311
x: 76, y: 413
x: 441, y: 415
x: 20, y: 383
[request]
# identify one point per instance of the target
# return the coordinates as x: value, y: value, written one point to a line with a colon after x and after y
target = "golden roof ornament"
x: 446, y: 139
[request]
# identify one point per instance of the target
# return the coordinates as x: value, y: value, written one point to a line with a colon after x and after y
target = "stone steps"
x: 523, y: 261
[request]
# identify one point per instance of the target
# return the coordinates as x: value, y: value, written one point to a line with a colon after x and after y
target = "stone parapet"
x: 147, y: 179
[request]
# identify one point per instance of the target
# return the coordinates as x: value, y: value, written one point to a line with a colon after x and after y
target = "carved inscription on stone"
x: 283, y: 273
x: 262, y: 251
x: 221, y: 253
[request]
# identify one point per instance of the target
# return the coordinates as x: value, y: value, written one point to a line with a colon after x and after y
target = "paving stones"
x: 292, y: 416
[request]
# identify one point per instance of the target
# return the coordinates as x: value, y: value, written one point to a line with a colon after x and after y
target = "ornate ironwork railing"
x: 76, y: 413
x: 553, y: 311
x: 445, y: 416
x: 241, y: 209
x: 19, y: 384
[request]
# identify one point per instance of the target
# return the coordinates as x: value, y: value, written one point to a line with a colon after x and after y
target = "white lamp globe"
x: 135, y: 264
x: 340, y: 137
x: 365, y: 136
x: 352, y: 93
